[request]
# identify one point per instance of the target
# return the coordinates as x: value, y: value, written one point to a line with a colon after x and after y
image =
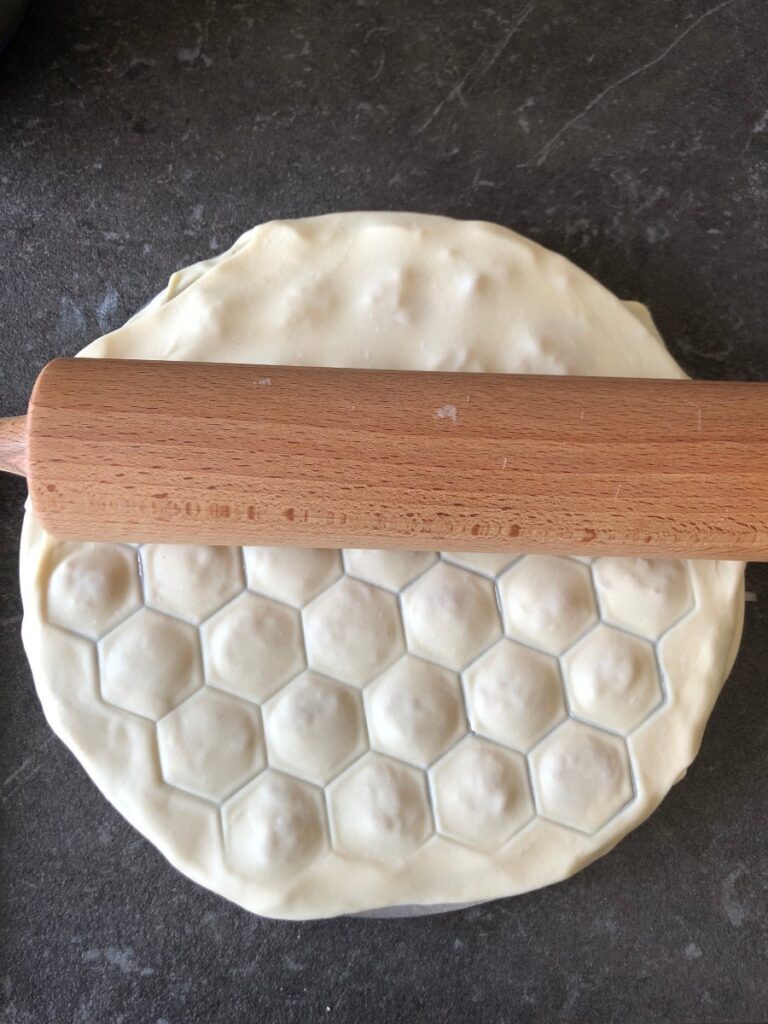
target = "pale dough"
x: 312, y: 732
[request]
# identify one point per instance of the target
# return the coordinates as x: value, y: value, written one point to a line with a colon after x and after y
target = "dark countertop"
x: 138, y: 137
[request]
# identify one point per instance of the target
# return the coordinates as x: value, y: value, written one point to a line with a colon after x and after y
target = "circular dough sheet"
x: 311, y: 733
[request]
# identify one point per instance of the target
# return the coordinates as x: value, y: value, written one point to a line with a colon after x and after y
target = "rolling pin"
x: 228, y: 454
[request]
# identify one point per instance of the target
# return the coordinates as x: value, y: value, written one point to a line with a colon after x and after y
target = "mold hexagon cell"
x: 190, y: 580
x: 481, y: 792
x: 547, y: 601
x: 253, y: 646
x: 514, y: 694
x: 415, y: 710
x: 489, y: 563
x: 645, y: 595
x: 450, y: 615
x: 150, y: 664
x: 93, y: 588
x: 274, y: 827
x: 612, y: 678
x: 315, y: 727
x: 581, y: 776
x: 390, y: 569
x: 293, y: 575
x: 353, y: 631
x: 211, y: 744
x: 379, y: 809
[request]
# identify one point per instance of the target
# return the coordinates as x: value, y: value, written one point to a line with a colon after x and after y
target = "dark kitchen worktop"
x: 138, y: 137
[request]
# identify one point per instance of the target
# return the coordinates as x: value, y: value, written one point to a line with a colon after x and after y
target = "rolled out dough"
x: 310, y: 733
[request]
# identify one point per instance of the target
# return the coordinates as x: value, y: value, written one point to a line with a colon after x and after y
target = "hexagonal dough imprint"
x: 514, y: 694
x: 149, y: 664
x: 93, y: 587
x: 253, y: 646
x: 415, y: 710
x: 380, y: 810
x: 318, y: 732
x: 482, y: 794
x: 315, y: 727
x: 211, y: 744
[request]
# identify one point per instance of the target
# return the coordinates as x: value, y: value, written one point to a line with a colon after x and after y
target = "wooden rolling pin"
x: 224, y: 454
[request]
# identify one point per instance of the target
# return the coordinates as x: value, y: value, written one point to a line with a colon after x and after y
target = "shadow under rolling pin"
x: 211, y: 453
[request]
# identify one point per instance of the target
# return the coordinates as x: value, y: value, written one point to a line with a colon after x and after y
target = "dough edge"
x: 549, y: 858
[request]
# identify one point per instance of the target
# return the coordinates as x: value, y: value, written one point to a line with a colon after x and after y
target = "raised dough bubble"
x: 293, y: 575
x: 93, y: 587
x: 353, y: 631
x: 612, y: 679
x: 379, y: 810
x: 391, y: 569
x: 211, y: 744
x: 482, y: 796
x: 547, y: 602
x: 273, y: 827
x: 190, y: 580
x: 150, y: 663
x: 415, y: 710
x: 515, y: 694
x: 253, y: 646
x: 644, y: 594
x: 489, y: 563
x: 581, y: 776
x: 450, y: 615
x: 315, y: 727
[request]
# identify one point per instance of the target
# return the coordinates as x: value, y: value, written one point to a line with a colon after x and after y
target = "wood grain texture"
x: 226, y: 454
x: 13, y: 445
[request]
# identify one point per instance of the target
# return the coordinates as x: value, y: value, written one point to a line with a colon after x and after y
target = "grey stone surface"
x: 138, y: 137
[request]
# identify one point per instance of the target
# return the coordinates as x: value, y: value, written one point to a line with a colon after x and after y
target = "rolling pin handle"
x: 13, y: 445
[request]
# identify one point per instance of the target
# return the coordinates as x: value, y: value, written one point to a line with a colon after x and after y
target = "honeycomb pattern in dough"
x: 332, y: 797
x: 364, y: 705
